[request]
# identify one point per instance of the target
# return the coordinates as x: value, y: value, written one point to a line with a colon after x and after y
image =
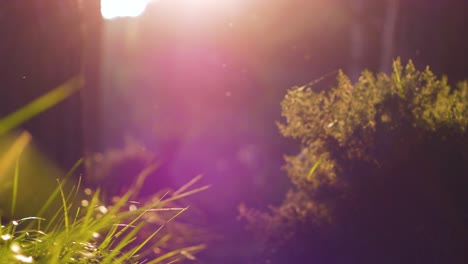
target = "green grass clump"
x: 85, y: 230
x: 74, y: 225
x: 90, y: 232
x: 81, y: 228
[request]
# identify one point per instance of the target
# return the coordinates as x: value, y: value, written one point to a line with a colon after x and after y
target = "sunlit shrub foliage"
x: 381, y: 176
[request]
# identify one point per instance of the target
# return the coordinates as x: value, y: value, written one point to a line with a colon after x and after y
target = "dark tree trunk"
x: 388, y: 34
x: 90, y: 94
x: 357, y: 38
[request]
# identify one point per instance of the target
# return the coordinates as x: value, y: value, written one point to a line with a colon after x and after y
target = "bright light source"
x: 132, y: 8
x: 122, y: 8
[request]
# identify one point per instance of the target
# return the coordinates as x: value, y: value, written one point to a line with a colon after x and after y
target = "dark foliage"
x: 381, y: 176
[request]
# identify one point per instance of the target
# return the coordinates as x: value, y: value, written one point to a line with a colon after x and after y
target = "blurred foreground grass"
x: 48, y: 217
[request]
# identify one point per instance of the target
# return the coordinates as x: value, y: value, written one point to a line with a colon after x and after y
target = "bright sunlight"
x: 111, y: 9
x: 122, y: 8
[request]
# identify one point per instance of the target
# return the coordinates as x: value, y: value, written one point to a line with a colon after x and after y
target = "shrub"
x: 381, y: 176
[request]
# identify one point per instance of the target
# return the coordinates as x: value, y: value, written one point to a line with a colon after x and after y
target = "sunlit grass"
x: 82, y: 229
x: 89, y: 233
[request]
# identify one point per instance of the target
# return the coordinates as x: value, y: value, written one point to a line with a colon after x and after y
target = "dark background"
x: 201, y: 89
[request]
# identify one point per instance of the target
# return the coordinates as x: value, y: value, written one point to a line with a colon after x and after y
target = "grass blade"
x: 40, y: 104
x: 185, y: 194
x: 65, y: 209
x: 49, y: 201
x: 74, y: 168
x: 89, y: 213
x: 110, y: 235
x: 187, y: 185
x: 13, y: 152
x: 139, y: 247
x: 175, y: 253
x: 313, y: 169
x: 15, y: 187
x: 130, y: 237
